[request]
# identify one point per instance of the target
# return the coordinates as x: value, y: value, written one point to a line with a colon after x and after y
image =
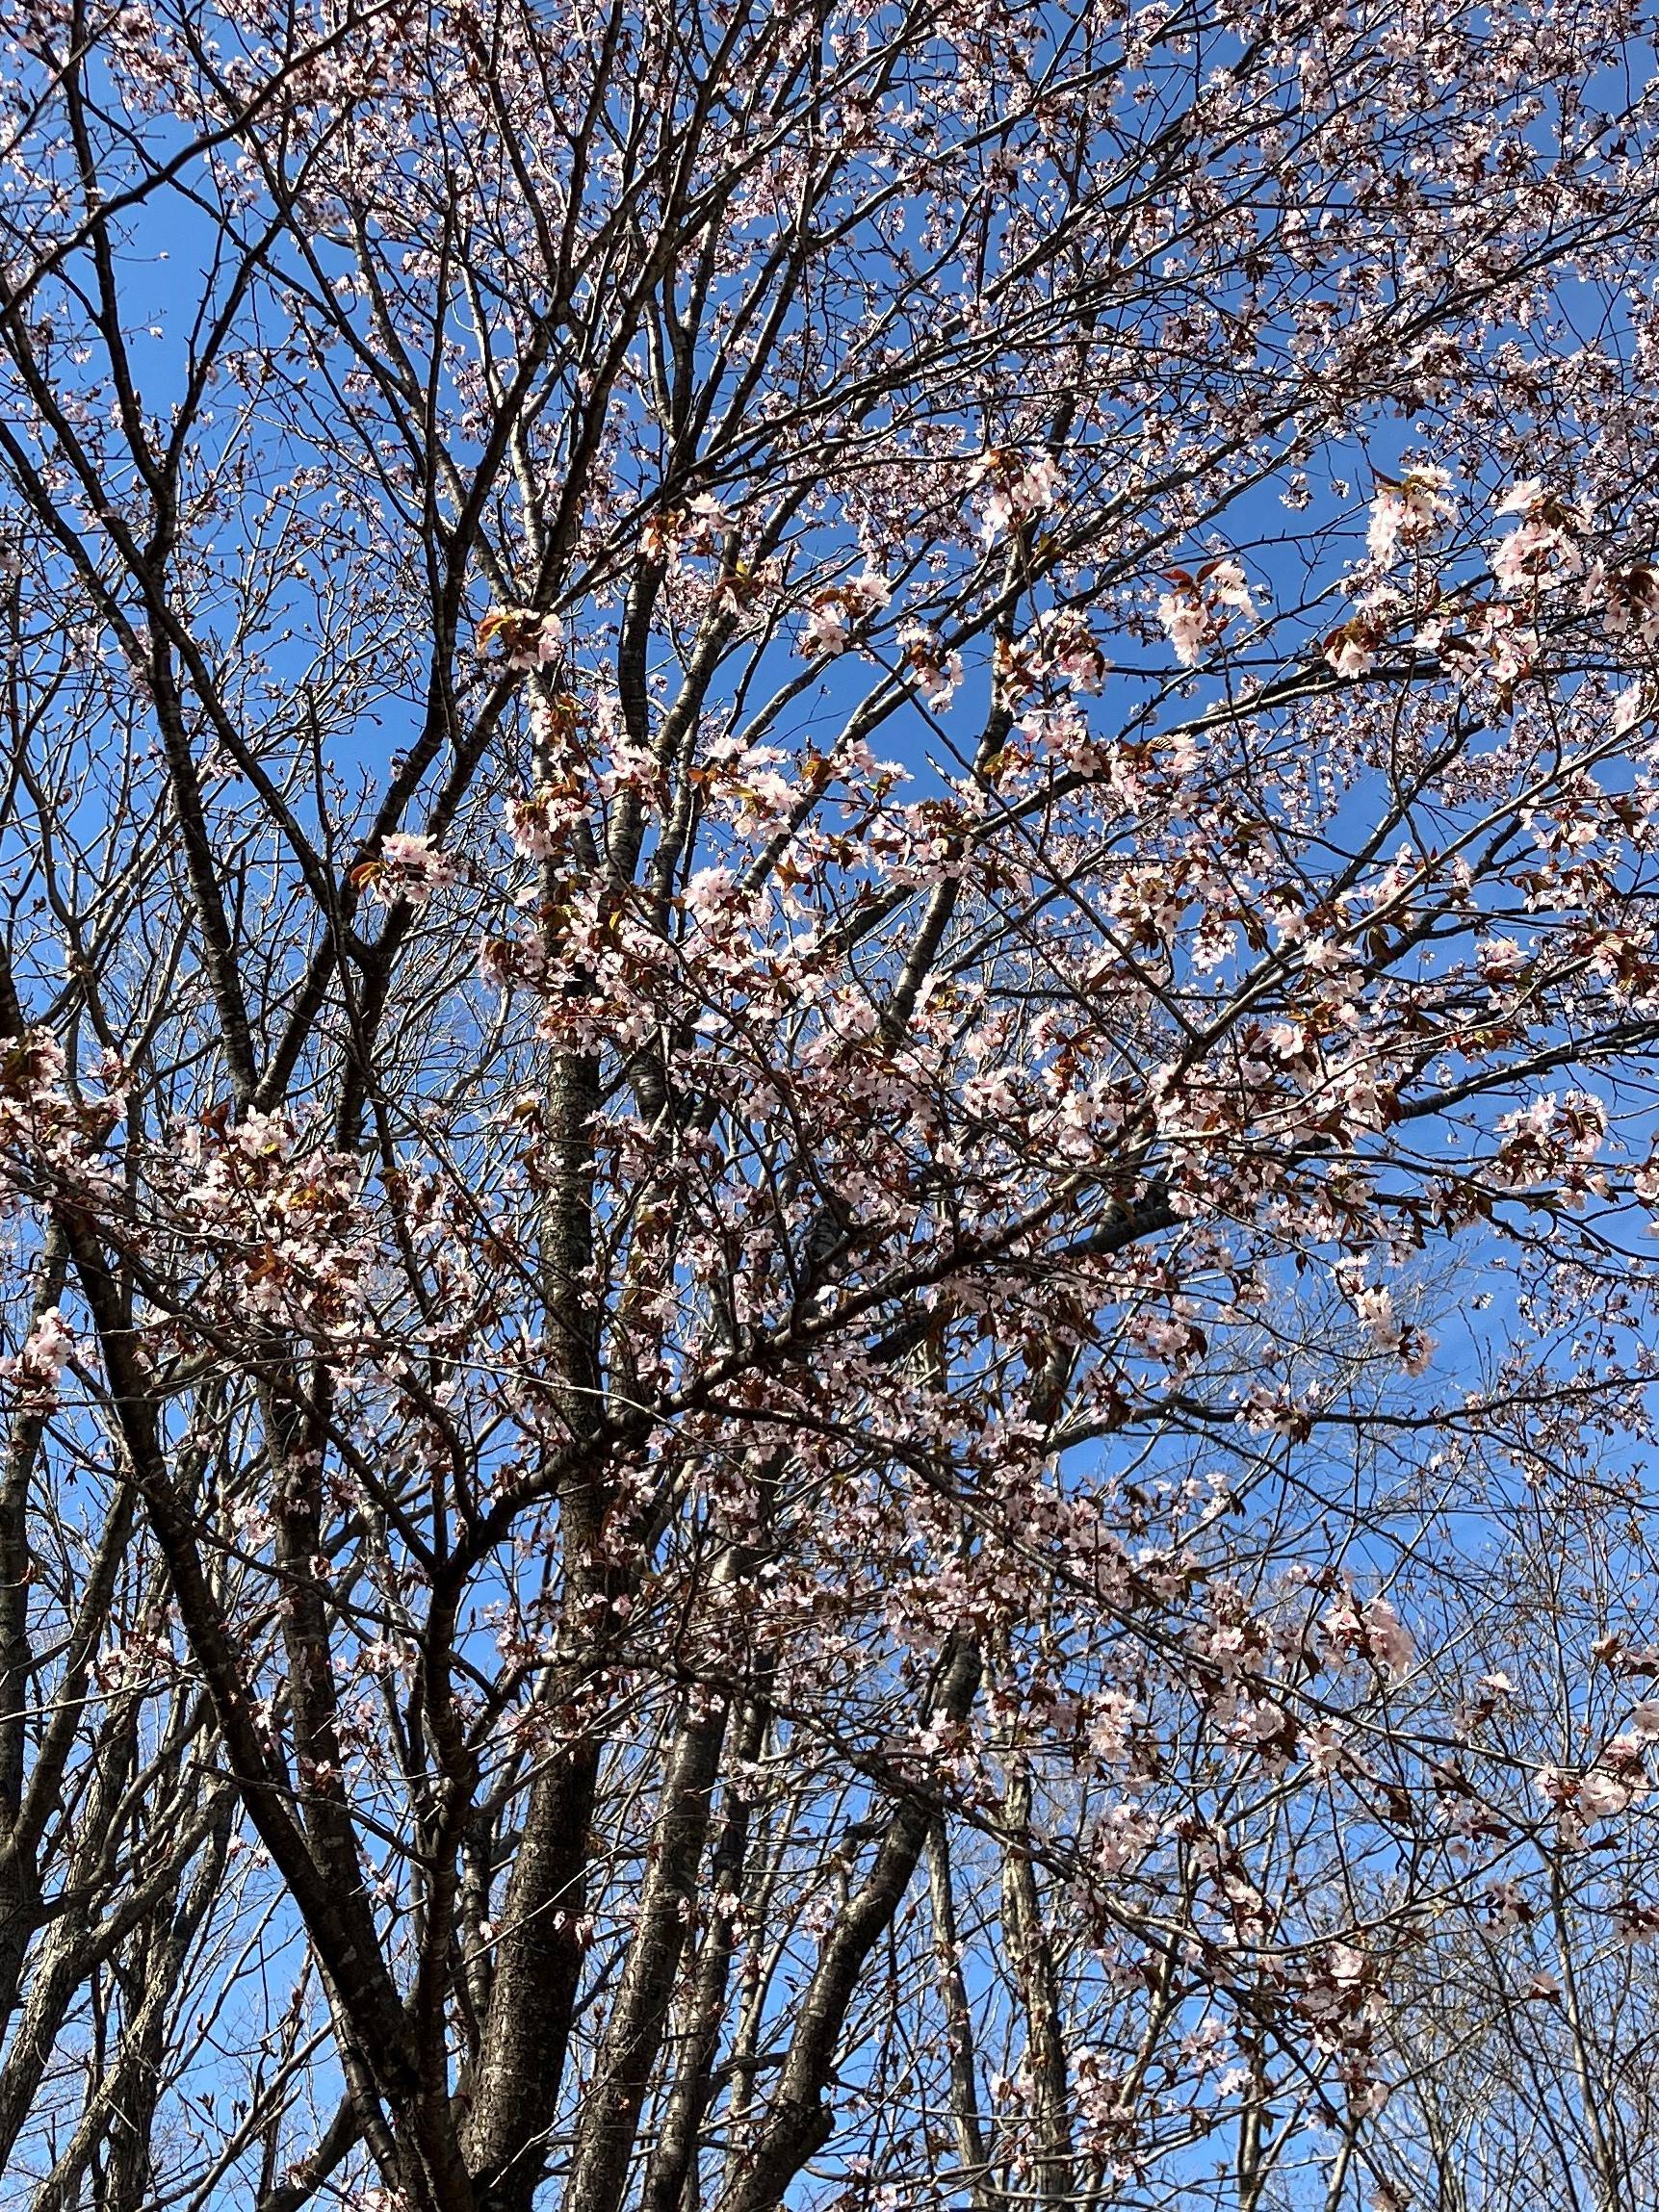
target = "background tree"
x: 830, y: 964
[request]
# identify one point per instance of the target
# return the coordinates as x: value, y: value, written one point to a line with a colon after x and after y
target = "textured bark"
x: 800, y: 2114
x: 538, y: 1961
x: 671, y: 2168
x: 1032, y: 1959
x: 639, y: 2019
x: 958, y: 2021
x: 26, y: 1793
x: 537, y: 1969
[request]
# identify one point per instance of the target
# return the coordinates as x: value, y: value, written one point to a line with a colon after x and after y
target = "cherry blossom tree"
x: 830, y: 970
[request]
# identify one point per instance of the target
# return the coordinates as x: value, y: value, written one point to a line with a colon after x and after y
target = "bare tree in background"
x: 829, y: 974
x: 1522, y: 2037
